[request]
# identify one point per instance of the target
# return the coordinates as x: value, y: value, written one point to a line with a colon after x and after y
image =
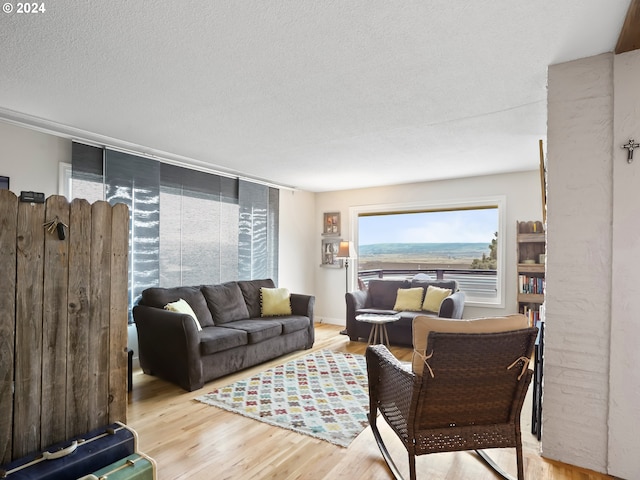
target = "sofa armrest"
x: 355, y: 301
x: 452, y: 306
x: 303, y: 305
x: 169, y: 346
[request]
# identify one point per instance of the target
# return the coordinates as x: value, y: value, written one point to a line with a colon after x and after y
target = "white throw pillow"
x: 181, y: 306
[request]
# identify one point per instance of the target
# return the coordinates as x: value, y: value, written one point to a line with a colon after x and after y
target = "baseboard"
x: 331, y: 321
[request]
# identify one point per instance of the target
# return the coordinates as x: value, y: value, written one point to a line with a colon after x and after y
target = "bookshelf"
x: 531, y: 249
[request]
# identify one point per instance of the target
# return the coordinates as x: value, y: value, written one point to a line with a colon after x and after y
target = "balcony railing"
x: 475, y: 283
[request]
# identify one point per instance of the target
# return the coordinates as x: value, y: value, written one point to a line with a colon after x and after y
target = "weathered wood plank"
x: 8, y: 225
x: 119, y: 313
x: 99, y: 298
x: 28, y: 340
x: 78, y: 311
x: 54, y: 326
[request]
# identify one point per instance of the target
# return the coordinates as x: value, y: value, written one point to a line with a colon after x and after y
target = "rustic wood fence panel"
x: 8, y: 224
x: 55, y: 329
x: 63, y: 306
x: 28, y: 350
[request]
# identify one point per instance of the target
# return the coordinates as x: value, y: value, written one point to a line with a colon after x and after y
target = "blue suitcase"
x: 78, y: 456
x: 134, y: 467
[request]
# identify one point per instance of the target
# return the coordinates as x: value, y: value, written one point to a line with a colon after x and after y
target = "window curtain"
x: 258, y: 235
x: 134, y: 181
x: 198, y: 227
x: 87, y: 174
x: 186, y: 227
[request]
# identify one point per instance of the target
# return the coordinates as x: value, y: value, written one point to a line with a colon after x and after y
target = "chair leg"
x: 412, y: 466
x: 520, y: 462
x: 383, y: 449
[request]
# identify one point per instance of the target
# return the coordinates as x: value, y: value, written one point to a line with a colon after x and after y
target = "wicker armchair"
x: 469, y: 397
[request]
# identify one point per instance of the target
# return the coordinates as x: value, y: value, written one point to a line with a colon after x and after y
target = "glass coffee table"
x: 378, y: 326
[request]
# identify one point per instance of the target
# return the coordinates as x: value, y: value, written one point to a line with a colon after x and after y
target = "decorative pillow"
x: 251, y: 292
x: 423, y: 324
x: 158, y: 297
x: 225, y: 302
x: 434, y: 297
x: 409, y: 299
x: 181, y: 306
x: 274, y: 301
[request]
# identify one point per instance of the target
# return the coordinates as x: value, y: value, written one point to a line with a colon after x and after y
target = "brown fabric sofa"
x: 380, y: 297
x: 234, y: 336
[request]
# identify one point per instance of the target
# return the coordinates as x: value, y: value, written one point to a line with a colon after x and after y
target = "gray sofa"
x: 234, y: 336
x: 380, y: 297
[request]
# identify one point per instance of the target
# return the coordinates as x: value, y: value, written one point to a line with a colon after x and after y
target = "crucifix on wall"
x: 630, y: 146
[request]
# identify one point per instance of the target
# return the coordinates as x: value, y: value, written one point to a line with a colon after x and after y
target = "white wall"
x: 297, y: 241
x: 31, y: 159
x: 624, y: 379
x: 592, y: 384
x: 523, y: 202
x: 578, y: 287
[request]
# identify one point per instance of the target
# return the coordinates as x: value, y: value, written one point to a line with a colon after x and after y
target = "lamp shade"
x: 344, y: 250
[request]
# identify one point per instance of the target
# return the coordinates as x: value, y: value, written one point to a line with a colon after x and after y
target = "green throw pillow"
x: 409, y: 299
x: 274, y: 302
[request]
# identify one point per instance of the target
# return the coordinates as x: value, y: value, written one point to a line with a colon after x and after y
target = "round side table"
x: 378, y: 326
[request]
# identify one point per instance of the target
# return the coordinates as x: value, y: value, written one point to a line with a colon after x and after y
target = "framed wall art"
x: 330, y: 247
x: 331, y: 224
x: 4, y: 183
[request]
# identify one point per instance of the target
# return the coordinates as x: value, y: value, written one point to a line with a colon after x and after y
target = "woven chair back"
x: 473, y: 379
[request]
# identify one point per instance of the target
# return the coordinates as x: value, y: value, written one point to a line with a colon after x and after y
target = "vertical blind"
x: 186, y: 227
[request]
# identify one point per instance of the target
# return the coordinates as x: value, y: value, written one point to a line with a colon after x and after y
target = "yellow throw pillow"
x: 434, y: 297
x: 274, y: 301
x: 409, y: 299
x: 181, y: 306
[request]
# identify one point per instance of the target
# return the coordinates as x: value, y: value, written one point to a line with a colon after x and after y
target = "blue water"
x: 453, y: 250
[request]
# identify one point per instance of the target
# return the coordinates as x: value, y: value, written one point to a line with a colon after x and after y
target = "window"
x: 458, y: 241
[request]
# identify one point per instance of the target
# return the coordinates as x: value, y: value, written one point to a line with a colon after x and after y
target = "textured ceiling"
x: 318, y: 95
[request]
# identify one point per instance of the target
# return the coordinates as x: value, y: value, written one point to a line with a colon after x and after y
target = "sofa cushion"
x: 257, y: 330
x: 251, y: 293
x: 293, y: 323
x: 409, y: 299
x: 225, y: 302
x: 182, y: 306
x: 158, y: 297
x: 274, y: 302
x: 434, y: 297
x: 383, y: 293
x: 423, y: 324
x: 217, y: 339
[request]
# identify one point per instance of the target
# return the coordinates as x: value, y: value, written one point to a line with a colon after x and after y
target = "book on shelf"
x: 533, y: 314
x: 527, y: 284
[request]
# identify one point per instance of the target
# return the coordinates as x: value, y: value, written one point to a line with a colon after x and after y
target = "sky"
x: 466, y: 226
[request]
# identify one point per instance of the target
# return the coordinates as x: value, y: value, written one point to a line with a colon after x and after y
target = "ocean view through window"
x: 452, y: 243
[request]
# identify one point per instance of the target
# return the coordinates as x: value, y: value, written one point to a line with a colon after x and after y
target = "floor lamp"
x: 344, y: 251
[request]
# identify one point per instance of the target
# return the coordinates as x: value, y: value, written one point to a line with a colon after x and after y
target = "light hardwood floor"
x: 190, y: 440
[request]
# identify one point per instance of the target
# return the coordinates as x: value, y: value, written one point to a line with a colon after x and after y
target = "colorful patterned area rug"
x: 323, y: 394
